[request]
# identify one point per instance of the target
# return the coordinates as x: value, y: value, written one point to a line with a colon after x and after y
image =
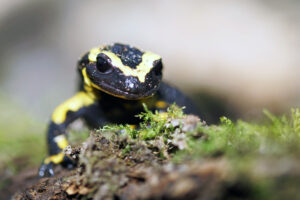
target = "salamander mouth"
x: 126, y: 94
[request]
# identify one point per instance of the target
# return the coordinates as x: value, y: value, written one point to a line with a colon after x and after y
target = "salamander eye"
x: 103, y: 64
x: 158, y: 67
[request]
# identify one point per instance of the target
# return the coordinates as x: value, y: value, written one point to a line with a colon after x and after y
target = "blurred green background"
x: 234, y: 57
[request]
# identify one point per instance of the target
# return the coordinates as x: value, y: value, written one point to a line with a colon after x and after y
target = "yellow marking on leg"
x: 61, y: 141
x: 56, y: 159
x: 80, y: 100
x: 161, y: 104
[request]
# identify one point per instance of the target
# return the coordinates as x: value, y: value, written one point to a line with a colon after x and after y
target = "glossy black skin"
x: 113, y: 81
x: 115, y: 102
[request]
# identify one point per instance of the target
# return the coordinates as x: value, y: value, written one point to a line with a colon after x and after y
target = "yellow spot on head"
x: 141, y: 70
x: 93, y: 54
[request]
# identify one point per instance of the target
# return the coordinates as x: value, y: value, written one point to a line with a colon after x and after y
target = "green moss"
x: 274, y: 137
x: 76, y: 137
x: 277, y: 136
x: 296, y: 120
x: 153, y: 125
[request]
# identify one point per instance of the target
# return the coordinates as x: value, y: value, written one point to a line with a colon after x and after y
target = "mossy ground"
x: 177, y: 156
x: 22, y: 143
x: 240, y: 159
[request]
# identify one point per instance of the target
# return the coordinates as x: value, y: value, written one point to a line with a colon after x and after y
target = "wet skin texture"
x: 115, y: 82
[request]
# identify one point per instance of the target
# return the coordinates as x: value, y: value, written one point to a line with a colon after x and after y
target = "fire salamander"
x: 115, y: 81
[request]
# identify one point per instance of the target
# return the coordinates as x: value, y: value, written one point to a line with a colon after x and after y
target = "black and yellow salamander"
x: 115, y: 81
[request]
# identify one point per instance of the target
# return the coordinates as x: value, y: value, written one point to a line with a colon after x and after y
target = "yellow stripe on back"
x: 80, y: 100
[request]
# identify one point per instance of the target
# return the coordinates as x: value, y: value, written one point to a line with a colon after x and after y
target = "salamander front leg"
x: 57, y: 141
x: 63, y: 115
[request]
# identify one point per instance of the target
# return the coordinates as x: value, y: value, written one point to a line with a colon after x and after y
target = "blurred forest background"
x: 242, y: 55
